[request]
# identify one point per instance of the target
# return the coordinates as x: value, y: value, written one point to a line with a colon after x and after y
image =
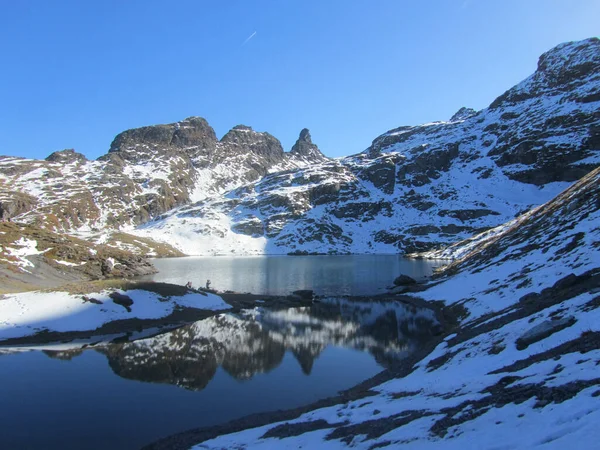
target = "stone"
x: 542, y: 331
x: 120, y: 299
x: 404, y: 280
x: 304, y: 148
x: 463, y: 114
x: 67, y: 156
x: 304, y: 294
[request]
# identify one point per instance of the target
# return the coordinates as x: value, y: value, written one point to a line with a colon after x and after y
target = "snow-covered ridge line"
x: 415, y: 188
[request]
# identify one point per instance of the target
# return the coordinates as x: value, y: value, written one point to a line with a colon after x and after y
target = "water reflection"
x: 255, y: 341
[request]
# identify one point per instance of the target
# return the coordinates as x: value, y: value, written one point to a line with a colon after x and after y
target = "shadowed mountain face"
x: 255, y: 341
x: 414, y: 188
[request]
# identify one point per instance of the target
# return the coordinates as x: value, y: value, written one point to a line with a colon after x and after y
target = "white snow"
x: 19, y: 255
x: 27, y: 313
x: 68, y: 263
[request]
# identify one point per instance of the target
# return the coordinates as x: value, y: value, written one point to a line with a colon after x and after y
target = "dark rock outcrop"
x: 16, y: 203
x: 305, y: 149
x: 404, y: 280
x: 121, y: 299
x: 66, y: 157
x: 463, y: 114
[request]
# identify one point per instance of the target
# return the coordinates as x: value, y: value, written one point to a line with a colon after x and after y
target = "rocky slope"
x: 31, y: 258
x: 521, y: 367
x: 414, y: 188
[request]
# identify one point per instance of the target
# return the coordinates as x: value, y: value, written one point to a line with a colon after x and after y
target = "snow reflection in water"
x: 230, y: 365
x: 255, y: 341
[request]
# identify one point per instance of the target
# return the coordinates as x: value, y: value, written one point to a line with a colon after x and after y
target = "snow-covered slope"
x: 520, y: 371
x: 416, y: 187
x: 26, y: 314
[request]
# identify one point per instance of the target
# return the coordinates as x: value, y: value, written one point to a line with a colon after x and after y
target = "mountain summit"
x: 305, y: 149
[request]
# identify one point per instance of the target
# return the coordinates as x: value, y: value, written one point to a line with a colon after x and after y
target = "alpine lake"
x: 129, y: 392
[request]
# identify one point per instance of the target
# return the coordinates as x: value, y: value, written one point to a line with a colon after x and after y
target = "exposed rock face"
x: 414, y: 188
x: 147, y: 172
x: 463, y: 114
x: 31, y: 257
x: 304, y: 149
x: 13, y: 204
x: 67, y: 156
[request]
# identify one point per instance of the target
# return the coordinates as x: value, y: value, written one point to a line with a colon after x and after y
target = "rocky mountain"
x: 146, y: 172
x: 417, y: 187
x: 414, y: 188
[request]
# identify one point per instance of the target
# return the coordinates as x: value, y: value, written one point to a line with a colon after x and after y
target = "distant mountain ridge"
x: 146, y: 172
x: 414, y: 188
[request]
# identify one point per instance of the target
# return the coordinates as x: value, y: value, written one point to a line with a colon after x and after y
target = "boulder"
x: 304, y: 294
x: 120, y: 299
x: 542, y: 331
x: 404, y: 280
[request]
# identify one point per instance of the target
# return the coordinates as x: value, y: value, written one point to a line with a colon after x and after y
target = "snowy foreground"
x: 28, y: 313
x: 520, y: 372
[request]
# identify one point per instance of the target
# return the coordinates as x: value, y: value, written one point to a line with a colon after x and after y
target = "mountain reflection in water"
x: 255, y: 341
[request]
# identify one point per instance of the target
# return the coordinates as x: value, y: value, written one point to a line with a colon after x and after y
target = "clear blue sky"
x: 73, y: 74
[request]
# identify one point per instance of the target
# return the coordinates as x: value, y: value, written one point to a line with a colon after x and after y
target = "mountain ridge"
x: 414, y: 188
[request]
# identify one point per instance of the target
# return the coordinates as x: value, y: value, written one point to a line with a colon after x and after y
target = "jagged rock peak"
x: 305, y: 136
x: 190, y: 132
x: 565, y: 67
x: 66, y: 156
x: 242, y: 128
x: 305, y: 148
x: 245, y: 134
x: 570, y: 55
x: 463, y: 114
x: 243, y: 138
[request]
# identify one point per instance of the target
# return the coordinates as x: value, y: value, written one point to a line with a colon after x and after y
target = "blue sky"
x: 76, y: 73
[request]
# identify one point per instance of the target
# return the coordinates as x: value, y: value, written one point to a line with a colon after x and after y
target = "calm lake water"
x: 279, y: 275
x: 125, y: 395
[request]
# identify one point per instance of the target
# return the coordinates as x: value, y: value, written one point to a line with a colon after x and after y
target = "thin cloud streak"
x: 249, y: 37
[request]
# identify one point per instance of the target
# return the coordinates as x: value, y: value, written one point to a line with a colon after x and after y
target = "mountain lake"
x: 123, y: 394
x: 280, y: 275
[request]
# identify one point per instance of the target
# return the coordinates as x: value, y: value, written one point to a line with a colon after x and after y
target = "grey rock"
x: 120, y: 299
x: 305, y: 149
x: 66, y: 157
x: 542, y: 331
x: 404, y: 280
x: 463, y: 114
